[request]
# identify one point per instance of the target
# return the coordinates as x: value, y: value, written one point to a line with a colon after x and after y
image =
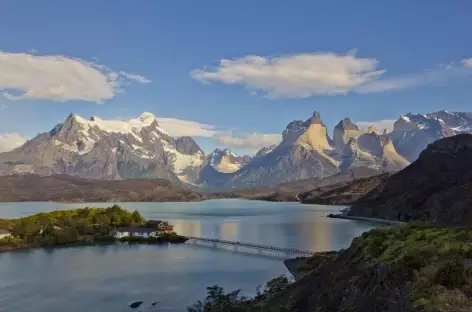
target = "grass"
x: 441, y: 258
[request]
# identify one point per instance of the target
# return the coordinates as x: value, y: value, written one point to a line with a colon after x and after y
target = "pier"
x: 253, y: 246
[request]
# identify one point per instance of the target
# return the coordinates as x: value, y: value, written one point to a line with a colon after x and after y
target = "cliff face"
x: 437, y: 187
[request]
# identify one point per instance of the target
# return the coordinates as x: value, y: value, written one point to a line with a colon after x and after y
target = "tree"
x: 218, y: 301
x: 136, y: 216
x: 84, y: 226
x: 276, y: 285
x: 102, y: 219
x: 126, y: 220
x: 67, y: 235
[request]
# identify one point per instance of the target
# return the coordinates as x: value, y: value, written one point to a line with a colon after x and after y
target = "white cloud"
x: 311, y: 74
x: 9, y: 141
x: 179, y: 127
x: 136, y: 77
x: 59, y: 78
x: 246, y: 140
x: 378, y: 124
x: 467, y: 62
x: 438, y: 76
x: 294, y: 76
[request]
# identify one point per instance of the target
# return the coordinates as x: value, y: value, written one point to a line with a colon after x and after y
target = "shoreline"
x: 295, y: 265
x: 291, y: 266
x: 375, y: 220
x: 182, y: 240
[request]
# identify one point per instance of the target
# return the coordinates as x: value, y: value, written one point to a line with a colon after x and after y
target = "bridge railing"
x: 251, y: 245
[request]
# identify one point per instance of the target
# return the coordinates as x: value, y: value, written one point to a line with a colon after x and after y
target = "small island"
x: 84, y: 226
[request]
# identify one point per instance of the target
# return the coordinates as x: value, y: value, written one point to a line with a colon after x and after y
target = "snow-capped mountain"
x: 413, y: 132
x: 226, y: 161
x: 219, y: 167
x: 265, y: 150
x: 140, y: 148
x: 306, y: 151
x: 106, y: 149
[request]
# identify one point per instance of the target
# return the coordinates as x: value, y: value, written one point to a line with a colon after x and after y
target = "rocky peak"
x: 351, y: 147
x: 265, y: 150
x: 146, y: 116
x: 346, y: 124
x: 187, y: 145
x: 343, y: 132
x: 316, y: 119
x: 70, y: 131
x: 293, y: 130
x: 226, y: 161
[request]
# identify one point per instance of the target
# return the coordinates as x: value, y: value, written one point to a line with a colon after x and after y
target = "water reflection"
x: 109, y: 277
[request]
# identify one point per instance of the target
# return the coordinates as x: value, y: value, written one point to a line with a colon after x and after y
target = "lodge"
x: 153, y: 228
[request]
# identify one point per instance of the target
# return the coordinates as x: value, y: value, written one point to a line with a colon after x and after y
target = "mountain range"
x: 140, y: 148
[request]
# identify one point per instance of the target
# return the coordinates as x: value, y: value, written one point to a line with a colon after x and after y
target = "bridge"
x: 253, y: 246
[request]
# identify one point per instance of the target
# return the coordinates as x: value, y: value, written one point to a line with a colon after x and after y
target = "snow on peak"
x: 147, y: 116
x: 228, y: 152
x: 405, y: 118
x: 130, y: 126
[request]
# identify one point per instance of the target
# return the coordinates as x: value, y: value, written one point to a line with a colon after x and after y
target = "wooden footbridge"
x: 253, y: 246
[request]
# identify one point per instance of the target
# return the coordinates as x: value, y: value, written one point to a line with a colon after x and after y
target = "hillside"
x: 437, y: 187
x: 344, y: 193
x: 66, y: 188
x: 290, y: 191
x: 413, y: 268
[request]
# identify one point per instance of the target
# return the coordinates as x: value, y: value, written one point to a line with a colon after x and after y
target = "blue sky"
x: 369, y: 60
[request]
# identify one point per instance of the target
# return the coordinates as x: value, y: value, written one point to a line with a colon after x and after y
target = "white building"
x: 134, y: 231
x: 4, y: 233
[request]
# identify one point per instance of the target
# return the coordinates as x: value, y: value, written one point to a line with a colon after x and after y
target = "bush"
x: 452, y: 274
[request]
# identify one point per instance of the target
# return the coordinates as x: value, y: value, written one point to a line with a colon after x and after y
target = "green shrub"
x: 452, y: 274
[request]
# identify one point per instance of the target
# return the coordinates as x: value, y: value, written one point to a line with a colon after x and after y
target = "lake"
x: 109, y: 278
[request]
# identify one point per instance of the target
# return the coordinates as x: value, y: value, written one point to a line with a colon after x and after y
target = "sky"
x: 231, y: 74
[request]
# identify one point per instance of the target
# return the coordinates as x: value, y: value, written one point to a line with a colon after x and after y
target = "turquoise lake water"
x: 109, y: 278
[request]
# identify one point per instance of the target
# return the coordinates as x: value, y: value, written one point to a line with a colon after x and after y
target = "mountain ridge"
x: 140, y: 148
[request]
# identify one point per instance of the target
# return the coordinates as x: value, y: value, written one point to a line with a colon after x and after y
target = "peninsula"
x: 84, y: 227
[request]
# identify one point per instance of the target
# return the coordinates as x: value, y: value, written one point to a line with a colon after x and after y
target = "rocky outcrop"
x: 437, y: 187
x: 343, y: 132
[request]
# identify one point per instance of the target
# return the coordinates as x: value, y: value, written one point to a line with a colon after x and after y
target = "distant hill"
x: 343, y: 193
x: 294, y: 191
x: 437, y: 187
x: 66, y: 188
